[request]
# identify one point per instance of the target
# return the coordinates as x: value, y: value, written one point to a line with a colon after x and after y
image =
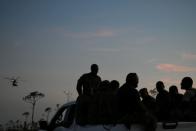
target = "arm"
x: 79, y: 87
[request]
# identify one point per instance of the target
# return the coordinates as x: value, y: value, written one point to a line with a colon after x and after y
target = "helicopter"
x: 13, y: 80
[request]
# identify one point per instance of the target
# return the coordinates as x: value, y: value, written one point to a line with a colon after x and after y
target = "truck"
x: 64, y: 120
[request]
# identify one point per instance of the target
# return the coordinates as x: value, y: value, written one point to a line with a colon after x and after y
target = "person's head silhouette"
x: 94, y: 69
x: 104, y: 86
x: 114, y: 85
x: 186, y: 83
x: 132, y: 79
x: 173, y: 89
x: 160, y: 86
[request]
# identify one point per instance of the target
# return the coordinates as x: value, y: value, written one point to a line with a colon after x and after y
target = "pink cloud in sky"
x: 189, y: 56
x: 175, y: 68
x: 104, y: 33
x: 98, y: 33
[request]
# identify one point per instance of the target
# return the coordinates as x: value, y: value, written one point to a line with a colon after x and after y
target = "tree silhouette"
x: 10, y: 124
x: 32, y: 98
x: 17, y: 124
x: 48, y: 111
x: 26, y: 115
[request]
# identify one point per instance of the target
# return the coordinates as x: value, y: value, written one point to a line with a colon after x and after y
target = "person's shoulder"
x: 98, y: 77
x: 180, y: 96
x: 165, y: 91
x: 189, y: 92
x: 84, y: 76
x: 135, y: 91
x: 194, y: 90
x: 121, y: 89
x: 132, y: 89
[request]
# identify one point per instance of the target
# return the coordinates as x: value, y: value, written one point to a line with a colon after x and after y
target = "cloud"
x: 189, y: 56
x: 104, y: 33
x: 97, y: 33
x: 175, y: 68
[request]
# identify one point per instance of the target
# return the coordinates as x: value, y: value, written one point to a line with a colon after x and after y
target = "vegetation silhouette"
x: 26, y: 115
x: 48, y: 110
x: 32, y: 98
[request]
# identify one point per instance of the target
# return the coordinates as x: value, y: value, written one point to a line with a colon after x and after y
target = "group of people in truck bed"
x: 101, y: 101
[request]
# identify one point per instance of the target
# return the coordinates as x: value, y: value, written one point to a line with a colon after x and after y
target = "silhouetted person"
x: 114, y: 86
x: 190, y: 92
x: 103, y: 98
x: 99, y: 106
x: 128, y: 96
x: 148, y: 101
x: 189, y: 99
x: 163, y: 102
x: 88, y: 82
x: 86, y: 87
x: 175, y: 103
x: 103, y: 87
x: 130, y: 107
x: 105, y: 102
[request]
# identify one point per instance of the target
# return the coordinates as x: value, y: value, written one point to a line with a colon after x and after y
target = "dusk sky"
x: 50, y: 44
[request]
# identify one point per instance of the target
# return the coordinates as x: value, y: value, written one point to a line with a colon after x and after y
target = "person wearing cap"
x: 188, y: 99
